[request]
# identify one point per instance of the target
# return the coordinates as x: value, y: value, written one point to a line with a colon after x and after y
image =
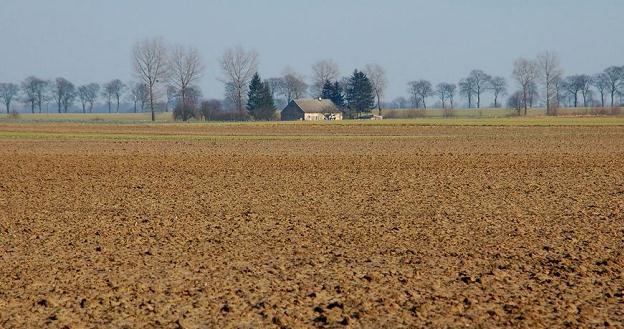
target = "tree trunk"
x: 524, y: 99
x: 612, y: 98
x: 547, y: 97
x: 151, y: 95
x: 239, y: 100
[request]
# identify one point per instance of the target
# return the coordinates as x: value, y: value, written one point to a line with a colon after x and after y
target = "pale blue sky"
x: 87, y: 40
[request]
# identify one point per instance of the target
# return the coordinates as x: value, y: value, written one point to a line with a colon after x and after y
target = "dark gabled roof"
x: 316, y: 105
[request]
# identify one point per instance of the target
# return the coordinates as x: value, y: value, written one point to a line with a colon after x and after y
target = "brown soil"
x: 365, y: 226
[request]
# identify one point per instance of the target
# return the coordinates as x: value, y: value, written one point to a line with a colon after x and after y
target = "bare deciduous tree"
x: 43, y: 93
x: 601, y: 82
x: 92, y: 94
x: 451, y: 91
x: 81, y: 92
x: 325, y: 70
x: 615, y: 78
x: 515, y: 101
x: 586, y: 83
x: 549, y: 73
x: 63, y: 94
x: 377, y: 76
x: 467, y: 89
x: 185, y: 68
x: 150, y: 66
x: 525, y: 72
x: 107, y: 92
x: 573, y: 85
x: 481, y: 82
x: 29, y: 90
x: 239, y: 66
x: 8, y: 91
x: 420, y: 90
x: 294, y: 85
x: 498, y: 85
x: 276, y: 85
x: 35, y: 92
x: 139, y: 96
x: 114, y: 89
x: 446, y: 92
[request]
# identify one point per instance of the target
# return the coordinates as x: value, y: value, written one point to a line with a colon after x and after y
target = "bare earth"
x: 288, y: 226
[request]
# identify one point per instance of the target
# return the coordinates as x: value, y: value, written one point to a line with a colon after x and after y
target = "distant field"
x: 129, y: 129
x: 470, y: 117
x: 487, y: 112
x: 89, y: 117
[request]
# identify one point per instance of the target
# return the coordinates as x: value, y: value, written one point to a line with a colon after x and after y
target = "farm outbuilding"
x: 311, y: 109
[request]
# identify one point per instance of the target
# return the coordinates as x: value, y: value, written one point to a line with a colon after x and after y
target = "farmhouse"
x: 311, y: 109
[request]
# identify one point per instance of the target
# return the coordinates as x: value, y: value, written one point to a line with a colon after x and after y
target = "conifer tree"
x: 254, y: 94
x: 327, y: 91
x: 360, y: 96
x: 266, y: 108
x: 260, y: 104
x: 333, y: 92
x: 336, y: 95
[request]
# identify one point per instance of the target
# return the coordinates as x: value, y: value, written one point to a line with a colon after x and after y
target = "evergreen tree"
x: 327, y: 91
x: 260, y: 104
x: 336, y: 95
x: 360, y: 95
x: 266, y: 107
x: 333, y: 92
x: 254, y: 94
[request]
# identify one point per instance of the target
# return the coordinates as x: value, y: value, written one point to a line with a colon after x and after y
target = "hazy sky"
x: 88, y: 40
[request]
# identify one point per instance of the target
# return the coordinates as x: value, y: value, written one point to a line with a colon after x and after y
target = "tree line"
x: 167, y: 78
x: 539, y: 80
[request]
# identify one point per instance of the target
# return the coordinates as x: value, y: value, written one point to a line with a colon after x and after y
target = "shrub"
x: 185, y: 112
x: 212, y: 110
x: 264, y: 113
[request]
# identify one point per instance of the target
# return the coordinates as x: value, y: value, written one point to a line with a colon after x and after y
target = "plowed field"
x: 288, y: 226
